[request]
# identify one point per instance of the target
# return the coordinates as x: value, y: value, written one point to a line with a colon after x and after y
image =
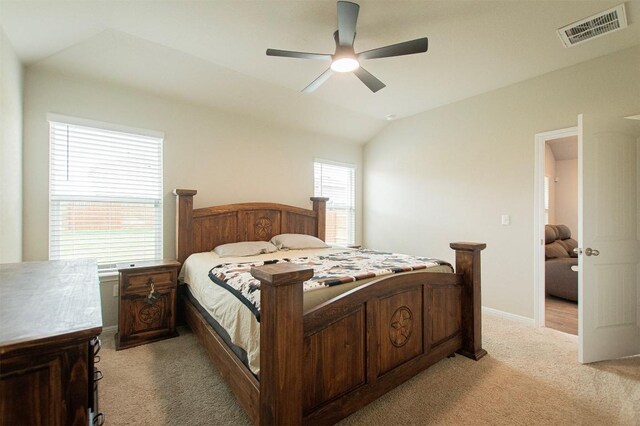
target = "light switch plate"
x: 506, y: 219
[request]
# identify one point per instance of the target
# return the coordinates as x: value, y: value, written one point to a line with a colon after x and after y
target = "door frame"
x: 538, y: 218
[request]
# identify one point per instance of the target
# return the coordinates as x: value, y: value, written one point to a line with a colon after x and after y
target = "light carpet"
x: 531, y: 376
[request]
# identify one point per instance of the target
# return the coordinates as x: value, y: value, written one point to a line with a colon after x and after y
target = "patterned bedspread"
x: 329, y: 270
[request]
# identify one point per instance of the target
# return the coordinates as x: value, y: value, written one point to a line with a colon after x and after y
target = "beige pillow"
x: 244, y: 248
x: 297, y: 242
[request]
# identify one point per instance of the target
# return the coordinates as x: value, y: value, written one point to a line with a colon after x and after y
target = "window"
x: 338, y: 182
x: 105, y: 193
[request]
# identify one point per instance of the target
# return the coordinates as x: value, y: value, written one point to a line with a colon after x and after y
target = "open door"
x: 608, y: 232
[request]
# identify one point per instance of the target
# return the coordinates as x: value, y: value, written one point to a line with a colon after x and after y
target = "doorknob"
x: 591, y: 252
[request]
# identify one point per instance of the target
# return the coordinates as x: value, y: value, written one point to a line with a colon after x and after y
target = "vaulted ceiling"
x: 213, y: 52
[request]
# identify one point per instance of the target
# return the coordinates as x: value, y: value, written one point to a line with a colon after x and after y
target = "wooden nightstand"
x: 142, y: 319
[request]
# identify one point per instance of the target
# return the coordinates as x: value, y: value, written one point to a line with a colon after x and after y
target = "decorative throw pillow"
x: 244, y: 248
x: 297, y: 242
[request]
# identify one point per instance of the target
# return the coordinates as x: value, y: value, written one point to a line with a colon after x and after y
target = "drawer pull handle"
x: 98, y: 420
x: 97, y: 344
x: 152, y: 298
x: 97, y: 375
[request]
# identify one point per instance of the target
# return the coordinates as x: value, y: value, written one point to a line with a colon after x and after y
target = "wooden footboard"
x: 319, y: 366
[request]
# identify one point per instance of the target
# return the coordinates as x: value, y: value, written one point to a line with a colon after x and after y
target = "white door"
x: 608, y: 232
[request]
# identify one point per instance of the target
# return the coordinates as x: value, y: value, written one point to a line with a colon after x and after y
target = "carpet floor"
x: 531, y: 376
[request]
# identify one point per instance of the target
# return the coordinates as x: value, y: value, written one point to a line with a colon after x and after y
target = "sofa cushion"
x: 560, y: 279
x: 555, y: 250
x: 569, y: 244
x: 563, y: 232
x: 549, y: 234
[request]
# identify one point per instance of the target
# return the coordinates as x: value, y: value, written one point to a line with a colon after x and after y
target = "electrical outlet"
x: 115, y: 290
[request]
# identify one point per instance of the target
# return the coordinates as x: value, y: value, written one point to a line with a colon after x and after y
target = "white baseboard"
x: 508, y: 315
x: 110, y: 329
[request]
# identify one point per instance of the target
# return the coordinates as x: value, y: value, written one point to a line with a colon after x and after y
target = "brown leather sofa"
x: 560, y: 280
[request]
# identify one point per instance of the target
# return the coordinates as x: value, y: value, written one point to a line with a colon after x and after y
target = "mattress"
x: 239, y: 322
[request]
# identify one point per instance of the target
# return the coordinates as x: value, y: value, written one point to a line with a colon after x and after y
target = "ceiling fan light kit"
x: 345, y: 64
x: 345, y: 59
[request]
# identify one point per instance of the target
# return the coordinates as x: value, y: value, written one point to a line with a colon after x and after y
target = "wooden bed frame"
x: 319, y: 366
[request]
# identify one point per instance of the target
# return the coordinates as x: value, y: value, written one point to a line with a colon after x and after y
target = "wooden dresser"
x: 50, y: 319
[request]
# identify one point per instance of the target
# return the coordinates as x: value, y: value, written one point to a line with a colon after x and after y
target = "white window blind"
x: 105, y: 195
x: 338, y: 182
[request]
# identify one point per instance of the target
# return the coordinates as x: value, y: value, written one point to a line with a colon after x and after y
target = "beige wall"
x: 550, y: 172
x: 227, y: 158
x: 450, y: 173
x: 10, y: 153
x: 566, y: 195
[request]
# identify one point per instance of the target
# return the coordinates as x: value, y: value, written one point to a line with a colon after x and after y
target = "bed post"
x: 281, y: 342
x: 320, y: 207
x: 184, y: 223
x: 468, y: 264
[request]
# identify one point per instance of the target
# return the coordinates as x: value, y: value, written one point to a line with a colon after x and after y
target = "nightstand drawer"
x: 136, y: 282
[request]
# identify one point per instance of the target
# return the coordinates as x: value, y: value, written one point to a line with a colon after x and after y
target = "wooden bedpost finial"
x: 460, y: 246
x: 468, y: 264
x: 185, y: 192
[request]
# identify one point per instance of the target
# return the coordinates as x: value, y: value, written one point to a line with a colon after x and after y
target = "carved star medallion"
x: 263, y: 227
x: 401, y: 326
x: 149, y: 313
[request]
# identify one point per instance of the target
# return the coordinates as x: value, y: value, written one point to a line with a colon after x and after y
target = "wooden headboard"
x: 205, y: 228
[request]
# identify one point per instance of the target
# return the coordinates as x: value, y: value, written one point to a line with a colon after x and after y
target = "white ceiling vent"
x: 594, y: 26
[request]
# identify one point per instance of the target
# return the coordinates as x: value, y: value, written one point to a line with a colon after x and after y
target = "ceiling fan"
x: 345, y: 59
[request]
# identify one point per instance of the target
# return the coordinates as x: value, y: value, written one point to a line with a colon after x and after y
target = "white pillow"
x: 297, y: 242
x: 244, y: 248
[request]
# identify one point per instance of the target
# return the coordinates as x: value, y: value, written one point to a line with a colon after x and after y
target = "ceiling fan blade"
x: 369, y: 80
x: 318, y: 81
x: 347, y: 18
x: 301, y: 55
x: 419, y: 45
